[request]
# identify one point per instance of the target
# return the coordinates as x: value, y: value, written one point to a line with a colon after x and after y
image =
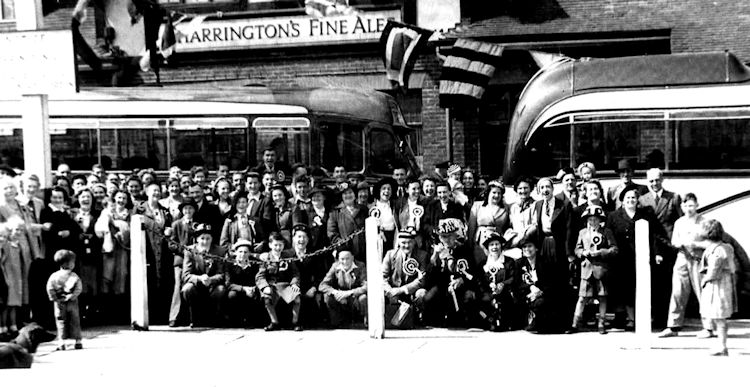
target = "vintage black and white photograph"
x: 362, y: 192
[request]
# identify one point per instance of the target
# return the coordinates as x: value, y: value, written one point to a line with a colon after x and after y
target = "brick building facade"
x: 577, y: 28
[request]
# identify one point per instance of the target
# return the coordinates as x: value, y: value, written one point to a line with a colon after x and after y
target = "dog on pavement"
x: 18, y: 352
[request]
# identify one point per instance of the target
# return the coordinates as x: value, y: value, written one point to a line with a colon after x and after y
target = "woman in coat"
x: 157, y: 221
x: 88, y: 251
x: 113, y: 227
x: 345, y: 219
x: 490, y: 215
x: 622, y: 268
x: 278, y: 217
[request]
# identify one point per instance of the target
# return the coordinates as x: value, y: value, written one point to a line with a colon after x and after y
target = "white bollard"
x: 642, y: 285
x: 375, y: 296
x: 138, y: 277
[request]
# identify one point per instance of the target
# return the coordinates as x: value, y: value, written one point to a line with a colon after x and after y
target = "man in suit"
x: 399, y: 174
x: 569, y: 192
x: 206, y: 212
x: 203, y: 278
x: 668, y: 208
x: 344, y: 289
x: 269, y: 163
x: 626, y: 179
x: 403, y: 276
x: 555, y: 235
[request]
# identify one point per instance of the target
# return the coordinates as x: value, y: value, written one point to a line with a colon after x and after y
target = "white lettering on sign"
x: 37, y: 62
x: 282, y: 31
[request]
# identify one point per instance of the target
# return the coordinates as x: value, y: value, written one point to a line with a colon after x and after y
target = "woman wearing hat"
x: 622, y: 269
x: 487, y: 216
x: 538, y: 291
x: 386, y: 204
x: 316, y: 218
x: 499, y: 285
x: 345, y: 219
x: 595, y: 247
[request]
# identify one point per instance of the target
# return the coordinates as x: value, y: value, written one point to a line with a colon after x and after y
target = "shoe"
x: 172, y: 324
x: 271, y: 327
x: 60, y: 347
x: 571, y: 330
x: 297, y: 328
x: 630, y: 326
x: 78, y: 346
x: 705, y: 334
x: 667, y: 332
x: 602, y: 329
x: 719, y: 352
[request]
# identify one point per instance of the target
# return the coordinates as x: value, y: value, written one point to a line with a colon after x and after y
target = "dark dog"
x: 18, y: 353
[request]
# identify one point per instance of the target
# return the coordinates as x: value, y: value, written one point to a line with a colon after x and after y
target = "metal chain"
x: 254, y: 260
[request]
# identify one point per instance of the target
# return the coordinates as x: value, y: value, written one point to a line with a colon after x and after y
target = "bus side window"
x: 383, y: 158
x: 341, y: 144
x: 712, y: 144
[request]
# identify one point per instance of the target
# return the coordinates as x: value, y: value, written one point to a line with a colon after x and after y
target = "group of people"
x: 224, y: 252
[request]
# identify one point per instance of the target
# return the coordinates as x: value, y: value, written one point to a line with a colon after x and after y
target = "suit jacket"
x: 271, y: 273
x: 561, y: 229
x: 394, y: 275
x: 339, y: 279
x: 605, y: 245
x: 667, y: 211
x: 342, y: 223
x: 209, y: 213
x: 196, y: 265
x: 231, y: 231
x: 434, y: 213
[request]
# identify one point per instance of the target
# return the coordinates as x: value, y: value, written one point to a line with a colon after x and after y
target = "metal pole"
x: 138, y: 278
x: 642, y: 285
x: 375, y: 295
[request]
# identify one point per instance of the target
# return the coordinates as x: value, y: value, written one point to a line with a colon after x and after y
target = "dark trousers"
x: 351, y: 309
x: 206, y: 305
x: 244, y: 311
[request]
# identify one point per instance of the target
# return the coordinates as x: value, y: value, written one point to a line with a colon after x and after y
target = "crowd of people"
x: 245, y: 249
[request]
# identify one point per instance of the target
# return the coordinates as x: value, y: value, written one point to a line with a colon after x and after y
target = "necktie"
x: 546, y: 210
x: 400, y: 191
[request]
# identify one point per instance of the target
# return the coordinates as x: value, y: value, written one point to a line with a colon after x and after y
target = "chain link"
x: 254, y: 260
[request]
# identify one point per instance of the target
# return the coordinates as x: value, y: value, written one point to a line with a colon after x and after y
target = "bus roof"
x: 574, y: 78
x: 372, y: 106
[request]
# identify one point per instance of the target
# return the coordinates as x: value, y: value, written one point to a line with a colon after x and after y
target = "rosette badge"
x: 280, y: 176
x: 417, y: 211
x: 375, y: 212
x: 411, y: 266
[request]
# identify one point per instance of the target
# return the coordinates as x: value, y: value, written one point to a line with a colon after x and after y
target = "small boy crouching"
x: 596, y: 245
x: 63, y: 287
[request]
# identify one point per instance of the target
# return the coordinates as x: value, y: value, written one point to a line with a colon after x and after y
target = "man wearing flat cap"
x: 404, y: 270
x: 345, y: 290
x: 203, y: 280
x: 625, y: 170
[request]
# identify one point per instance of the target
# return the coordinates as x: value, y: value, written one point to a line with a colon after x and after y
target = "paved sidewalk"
x: 207, y: 357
